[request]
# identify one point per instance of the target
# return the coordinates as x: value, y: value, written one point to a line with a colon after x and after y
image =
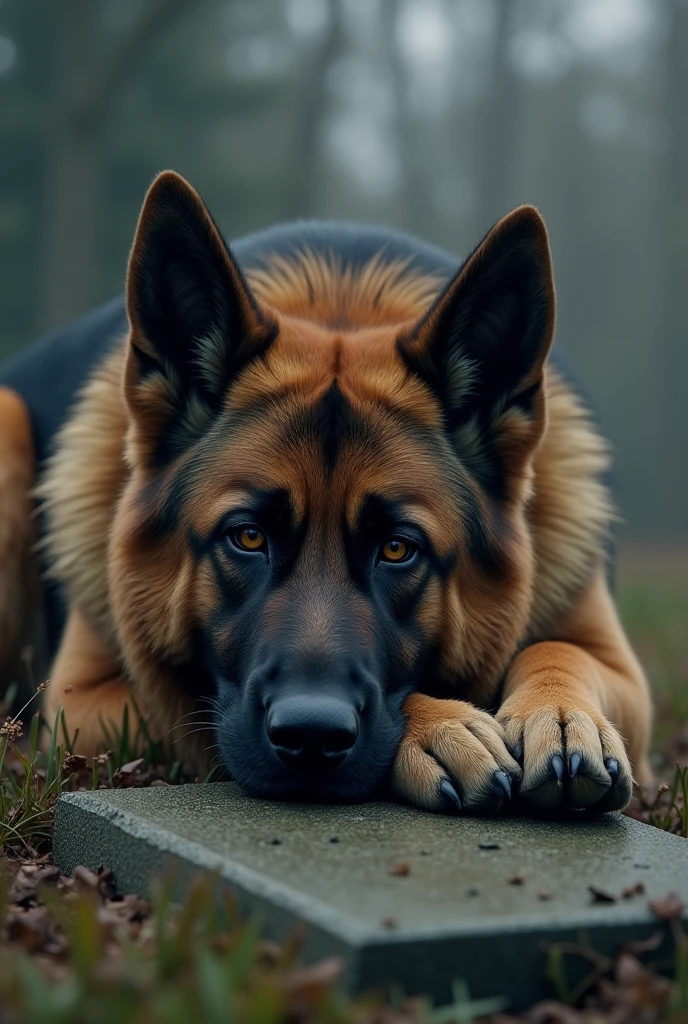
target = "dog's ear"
x: 482, y: 346
x: 194, y: 322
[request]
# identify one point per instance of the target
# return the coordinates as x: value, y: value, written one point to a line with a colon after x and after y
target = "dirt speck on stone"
x: 389, y: 922
x: 489, y: 846
x: 516, y: 880
x: 544, y: 894
x: 633, y: 890
x: 401, y: 869
x: 275, y: 841
x: 334, y: 839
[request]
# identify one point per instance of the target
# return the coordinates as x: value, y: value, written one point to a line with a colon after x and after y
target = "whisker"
x: 186, y: 735
x: 184, y: 725
x: 190, y: 714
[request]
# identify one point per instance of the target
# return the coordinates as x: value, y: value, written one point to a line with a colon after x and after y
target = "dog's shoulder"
x: 49, y: 373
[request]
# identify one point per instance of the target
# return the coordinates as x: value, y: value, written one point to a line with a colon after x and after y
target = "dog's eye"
x: 397, y: 549
x: 248, y: 538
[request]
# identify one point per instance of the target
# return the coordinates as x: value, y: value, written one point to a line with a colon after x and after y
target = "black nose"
x: 312, y: 732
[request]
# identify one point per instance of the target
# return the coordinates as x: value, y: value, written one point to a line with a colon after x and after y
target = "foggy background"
x: 434, y: 116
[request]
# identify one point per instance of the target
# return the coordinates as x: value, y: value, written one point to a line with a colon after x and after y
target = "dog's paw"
x: 571, y: 757
x: 453, y: 758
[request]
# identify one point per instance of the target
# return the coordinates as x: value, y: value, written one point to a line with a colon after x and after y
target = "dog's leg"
x: 87, y: 682
x: 17, y: 574
x: 577, y: 711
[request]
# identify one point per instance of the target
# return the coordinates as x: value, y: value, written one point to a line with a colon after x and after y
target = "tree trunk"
x: 73, y: 168
x: 86, y: 83
x: 499, y: 125
x: 312, y: 106
x: 416, y: 171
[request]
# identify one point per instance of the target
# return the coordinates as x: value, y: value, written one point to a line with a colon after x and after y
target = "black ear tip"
x: 527, y: 224
x: 169, y: 189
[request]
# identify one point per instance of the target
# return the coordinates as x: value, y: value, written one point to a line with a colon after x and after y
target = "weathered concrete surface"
x: 457, y: 913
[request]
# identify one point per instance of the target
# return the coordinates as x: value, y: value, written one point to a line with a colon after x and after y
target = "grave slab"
x: 409, y: 898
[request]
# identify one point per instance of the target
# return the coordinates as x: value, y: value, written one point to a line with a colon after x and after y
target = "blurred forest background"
x: 435, y: 116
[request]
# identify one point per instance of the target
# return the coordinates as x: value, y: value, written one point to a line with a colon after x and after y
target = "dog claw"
x: 517, y: 752
x: 450, y: 794
x: 612, y: 766
x: 557, y: 766
x: 504, y: 782
x: 574, y: 765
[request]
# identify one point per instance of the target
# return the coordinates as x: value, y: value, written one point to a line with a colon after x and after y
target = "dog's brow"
x: 394, y: 507
x: 261, y: 502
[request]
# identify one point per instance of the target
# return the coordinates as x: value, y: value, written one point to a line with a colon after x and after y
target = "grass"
x: 29, y: 785
x: 655, y: 614
x: 75, y: 951
x: 179, y: 964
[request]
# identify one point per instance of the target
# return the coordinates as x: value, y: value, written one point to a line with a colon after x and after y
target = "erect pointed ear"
x: 482, y: 346
x: 194, y: 322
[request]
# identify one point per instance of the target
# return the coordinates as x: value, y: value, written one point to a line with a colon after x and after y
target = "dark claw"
x: 517, y: 752
x: 503, y: 780
x: 612, y: 766
x: 450, y: 794
x: 574, y: 765
x: 557, y: 766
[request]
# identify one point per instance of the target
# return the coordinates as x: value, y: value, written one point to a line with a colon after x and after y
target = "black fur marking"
x: 525, y: 400
x: 408, y: 594
x: 162, y: 505
x: 233, y: 585
x: 484, y: 552
x: 147, y: 366
x: 334, y: 416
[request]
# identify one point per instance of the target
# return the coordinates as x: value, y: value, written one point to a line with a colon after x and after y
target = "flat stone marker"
x: 409, y: 898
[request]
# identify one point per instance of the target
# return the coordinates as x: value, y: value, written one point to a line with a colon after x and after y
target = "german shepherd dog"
x: 329, y: 490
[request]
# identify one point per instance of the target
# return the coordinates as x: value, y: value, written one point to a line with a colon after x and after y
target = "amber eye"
x: 249, y: 538
x: 396, y: 550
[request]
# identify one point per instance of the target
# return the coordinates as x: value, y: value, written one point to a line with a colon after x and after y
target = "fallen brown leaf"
x: 600, y: 896
x: 668, y: 908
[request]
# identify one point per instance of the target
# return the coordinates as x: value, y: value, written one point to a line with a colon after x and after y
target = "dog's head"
x: 319, y: 519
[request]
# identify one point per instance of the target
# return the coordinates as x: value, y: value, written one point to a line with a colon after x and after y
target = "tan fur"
x: 80, y: 490
x: 133, y: 603
x: 450, y: 737
x: 18, y: 591
x: 322, y: 290
x: 88, y: 686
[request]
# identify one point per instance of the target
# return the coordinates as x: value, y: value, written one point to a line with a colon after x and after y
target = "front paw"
x: 572, y: 758
x: 452, y: 758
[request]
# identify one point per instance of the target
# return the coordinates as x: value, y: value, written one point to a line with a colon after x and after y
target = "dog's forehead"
x: 328, y: 418
x: 307, y: 359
